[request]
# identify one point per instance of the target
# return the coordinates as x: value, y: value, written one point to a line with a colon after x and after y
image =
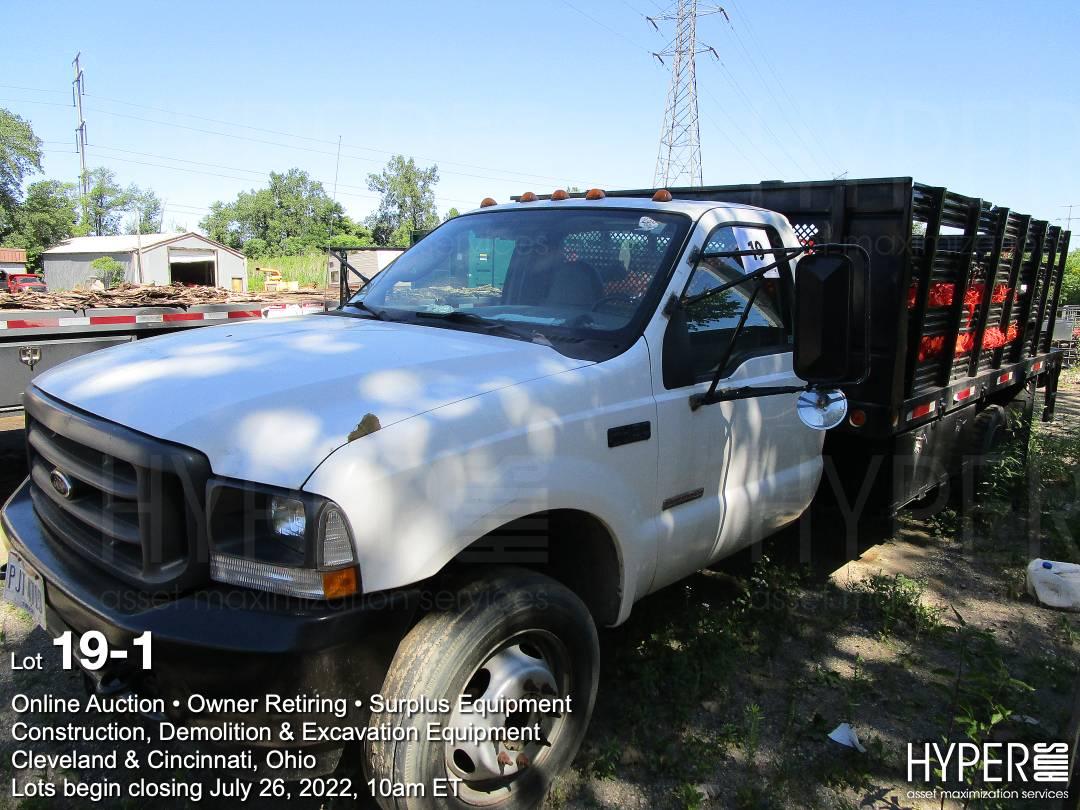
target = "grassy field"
x: 308, y: 270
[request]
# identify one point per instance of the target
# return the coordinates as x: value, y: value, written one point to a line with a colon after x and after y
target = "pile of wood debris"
x: 149, y: 295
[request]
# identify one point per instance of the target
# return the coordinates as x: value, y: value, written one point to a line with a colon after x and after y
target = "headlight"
x: 287, y: 518
x: 294, y: 544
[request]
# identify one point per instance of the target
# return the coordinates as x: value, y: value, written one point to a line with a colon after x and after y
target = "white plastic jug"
x: 1054, y: 584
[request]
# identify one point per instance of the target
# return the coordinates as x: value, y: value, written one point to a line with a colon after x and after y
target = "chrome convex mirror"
x: 822, y: 409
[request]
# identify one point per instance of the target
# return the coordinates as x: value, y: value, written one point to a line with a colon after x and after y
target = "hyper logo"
x: 1040, y: 763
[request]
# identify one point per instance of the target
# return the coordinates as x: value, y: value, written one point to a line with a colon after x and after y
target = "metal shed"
x: 150, y: 258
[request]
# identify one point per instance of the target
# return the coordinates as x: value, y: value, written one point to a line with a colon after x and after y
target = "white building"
x: 12, y: 260
x: 152, y: 258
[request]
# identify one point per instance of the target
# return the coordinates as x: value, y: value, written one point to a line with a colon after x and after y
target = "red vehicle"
x: 24, y: 282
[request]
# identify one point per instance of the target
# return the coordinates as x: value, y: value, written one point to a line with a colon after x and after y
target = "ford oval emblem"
x: 61, y: 483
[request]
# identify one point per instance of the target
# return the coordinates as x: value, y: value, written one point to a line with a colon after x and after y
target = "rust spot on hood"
x: 369, y: 424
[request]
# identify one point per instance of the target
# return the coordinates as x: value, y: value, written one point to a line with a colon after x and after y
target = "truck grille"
x: 131, y: 504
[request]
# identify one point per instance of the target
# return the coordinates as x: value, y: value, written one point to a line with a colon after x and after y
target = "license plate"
x: 24, y: 588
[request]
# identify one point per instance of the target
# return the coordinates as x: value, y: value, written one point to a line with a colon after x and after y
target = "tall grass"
x: 307, y: 269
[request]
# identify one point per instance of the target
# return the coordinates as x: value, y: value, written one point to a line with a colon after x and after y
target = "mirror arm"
x: 744, y: 392
x: 757, y: 274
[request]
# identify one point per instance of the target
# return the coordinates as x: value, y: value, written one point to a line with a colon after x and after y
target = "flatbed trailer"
x: 963, y: 296
x: 33, y: 340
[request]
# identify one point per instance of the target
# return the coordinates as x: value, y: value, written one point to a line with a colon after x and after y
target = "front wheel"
x: 489, y: 699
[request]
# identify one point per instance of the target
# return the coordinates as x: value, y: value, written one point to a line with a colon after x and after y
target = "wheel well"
x: 568, y: 545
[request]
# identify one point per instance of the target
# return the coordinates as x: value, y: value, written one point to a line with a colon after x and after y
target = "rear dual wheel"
x: 511, y: 634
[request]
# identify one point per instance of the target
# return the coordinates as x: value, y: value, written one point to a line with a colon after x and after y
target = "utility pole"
x: 1068, y: 220
x: 78, y: 89
x: 679, y: 157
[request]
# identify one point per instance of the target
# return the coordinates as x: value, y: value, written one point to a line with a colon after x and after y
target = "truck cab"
x: 24, y: 282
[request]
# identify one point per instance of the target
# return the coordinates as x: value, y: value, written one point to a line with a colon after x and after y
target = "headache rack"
x: 963, y: 291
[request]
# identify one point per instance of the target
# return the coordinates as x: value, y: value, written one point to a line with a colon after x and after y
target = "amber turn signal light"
x: 560, y: 194
x: 662, y: 195
x: 484, y: 203
x: 339, y: 583
x: 528, y: 196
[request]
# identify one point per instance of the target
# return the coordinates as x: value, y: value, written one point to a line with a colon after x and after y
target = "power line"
x: 260, y: 173
x: 518, y: 175
x: 733, y: 121
x: 32, y: 101
x: 781, y: 108
x: 244, y: 179
x: 783, y: 87
x: 313, y: 139
x: 278, y: 144
x: 606, y: 27
x: 764, y: 123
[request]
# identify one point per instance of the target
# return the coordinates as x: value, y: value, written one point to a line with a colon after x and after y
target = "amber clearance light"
x: 662, y: 195
x: 595, y: 194
x: 339, y: 583
x: 560, y: 194
x: 487, y: 201
x: 528, y: 196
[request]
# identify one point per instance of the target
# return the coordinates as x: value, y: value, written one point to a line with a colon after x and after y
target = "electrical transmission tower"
x: 78, y: 89
x: 679, y: 156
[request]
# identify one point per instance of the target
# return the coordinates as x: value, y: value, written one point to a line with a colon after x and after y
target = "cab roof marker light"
x: 560, y: 194
x: 662, y: 195
x: 595, y: 194
x: 487, y: 202
x: 528, y: 196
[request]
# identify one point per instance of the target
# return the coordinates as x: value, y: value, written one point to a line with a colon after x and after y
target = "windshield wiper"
x: 468, y: 318
x: 376, y: 313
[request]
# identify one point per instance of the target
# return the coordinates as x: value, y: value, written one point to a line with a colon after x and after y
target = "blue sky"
x: 507, y: 97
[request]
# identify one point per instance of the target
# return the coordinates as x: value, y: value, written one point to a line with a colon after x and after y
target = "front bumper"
x: 218, y: 641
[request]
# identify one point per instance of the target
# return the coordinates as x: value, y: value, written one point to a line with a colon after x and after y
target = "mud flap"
x: 1050, y: 393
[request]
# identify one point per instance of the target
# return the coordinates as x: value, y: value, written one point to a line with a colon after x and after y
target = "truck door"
x: 732, y: 472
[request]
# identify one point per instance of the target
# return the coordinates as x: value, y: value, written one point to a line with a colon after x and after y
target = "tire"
x: 507, y: 631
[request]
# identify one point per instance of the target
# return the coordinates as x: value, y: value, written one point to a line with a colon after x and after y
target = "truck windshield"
x: 584, y: 280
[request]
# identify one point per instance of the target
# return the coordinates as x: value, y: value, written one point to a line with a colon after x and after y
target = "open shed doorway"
x: 192, y: 268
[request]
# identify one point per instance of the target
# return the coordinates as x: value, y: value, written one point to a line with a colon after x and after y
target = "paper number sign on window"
x: 757, y: 240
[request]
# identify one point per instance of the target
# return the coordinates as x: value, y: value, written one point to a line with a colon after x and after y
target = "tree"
x: 408, y: 201
x: 293, y: 214
x: 146, y: 206
x: 453, y: 212
x: 1070, y: 284
x: 103, y: 207
x: 46, y: 217
x: 109, y: 271
x: 351, y: 240
x: 20, y: 155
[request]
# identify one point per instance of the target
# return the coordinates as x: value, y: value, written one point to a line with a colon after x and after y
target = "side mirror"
x: 830, y: 320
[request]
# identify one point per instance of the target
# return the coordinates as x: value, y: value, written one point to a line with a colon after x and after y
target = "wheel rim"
x: 531, y: 665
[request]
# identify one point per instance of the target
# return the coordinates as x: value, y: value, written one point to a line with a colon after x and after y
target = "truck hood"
x: 267, y: 401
